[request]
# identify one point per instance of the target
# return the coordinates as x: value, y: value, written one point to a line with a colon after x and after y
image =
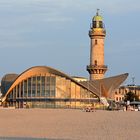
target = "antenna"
x: 97, y: 13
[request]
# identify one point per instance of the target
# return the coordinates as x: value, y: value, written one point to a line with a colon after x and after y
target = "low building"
x: 119, y: 94
x: 45, y: 87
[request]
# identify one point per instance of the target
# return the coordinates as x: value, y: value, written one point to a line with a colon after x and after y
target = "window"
x: 100, y: 24
x: 43, y: 86
x: 120, y: 99
x: 96, y: 62
x: 25, y: 88
x: 47, y: 89
x: 52, y: 86
x: 33, y: 86
x: 38, y: 85
x: 94, y: 24
x: 29, y: 87
x: 96, y: 42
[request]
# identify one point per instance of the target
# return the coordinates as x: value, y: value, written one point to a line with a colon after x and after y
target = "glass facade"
x: 49, y: 91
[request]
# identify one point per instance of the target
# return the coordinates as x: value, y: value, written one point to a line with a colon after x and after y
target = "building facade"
x: 120, y: 93
x: 46, y: 87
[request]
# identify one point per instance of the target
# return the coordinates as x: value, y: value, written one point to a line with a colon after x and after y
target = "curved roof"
x: 40, y: 70
x: 105, y: 87
x: 7, y: 81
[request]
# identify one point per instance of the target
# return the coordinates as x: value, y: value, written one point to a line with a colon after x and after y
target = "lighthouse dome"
x: 97, y: 17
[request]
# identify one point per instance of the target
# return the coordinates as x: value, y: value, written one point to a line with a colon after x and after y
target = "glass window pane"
x: 33, y: 86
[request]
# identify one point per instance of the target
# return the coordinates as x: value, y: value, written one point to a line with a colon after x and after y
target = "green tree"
x: 130, y: 96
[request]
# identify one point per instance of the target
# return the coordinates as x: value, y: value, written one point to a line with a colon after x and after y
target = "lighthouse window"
x: 95, y: 62
x: 94, y: 24
x: 100, y: 24
x: 95, y: 42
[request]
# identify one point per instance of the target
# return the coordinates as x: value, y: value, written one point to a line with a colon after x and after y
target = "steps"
x: 104, y: 101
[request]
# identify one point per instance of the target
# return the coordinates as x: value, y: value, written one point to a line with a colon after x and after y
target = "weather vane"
x: 97, y: 12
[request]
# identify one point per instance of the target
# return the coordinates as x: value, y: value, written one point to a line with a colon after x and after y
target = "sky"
x: 55, y: 33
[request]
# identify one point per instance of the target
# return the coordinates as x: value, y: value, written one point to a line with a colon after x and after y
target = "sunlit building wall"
x: 119, y: 94
x: 45, y: 89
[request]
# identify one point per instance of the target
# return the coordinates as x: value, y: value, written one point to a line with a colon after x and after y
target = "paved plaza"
x: 68, y: 124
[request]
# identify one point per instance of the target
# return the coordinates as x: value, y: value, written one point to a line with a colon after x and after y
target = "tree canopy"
x: 130, y: 96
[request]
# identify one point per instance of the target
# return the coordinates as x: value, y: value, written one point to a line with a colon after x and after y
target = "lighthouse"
x: 97, y: 35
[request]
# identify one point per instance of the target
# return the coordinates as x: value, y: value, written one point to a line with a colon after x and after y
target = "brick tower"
x: 97, y: 35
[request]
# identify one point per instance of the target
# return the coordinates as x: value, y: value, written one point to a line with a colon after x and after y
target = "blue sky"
x: 55, y: 33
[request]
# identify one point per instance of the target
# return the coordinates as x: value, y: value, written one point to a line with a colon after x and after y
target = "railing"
x: 97, y: 32
x: 96, y: 67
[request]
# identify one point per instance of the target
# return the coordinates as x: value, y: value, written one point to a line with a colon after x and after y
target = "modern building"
x: 43, y: 86
x: 46, y: 87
